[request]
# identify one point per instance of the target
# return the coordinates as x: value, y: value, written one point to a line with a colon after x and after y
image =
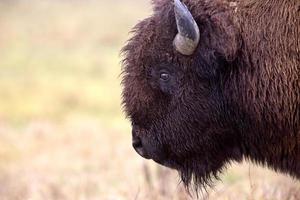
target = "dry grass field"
x: 62, y: 132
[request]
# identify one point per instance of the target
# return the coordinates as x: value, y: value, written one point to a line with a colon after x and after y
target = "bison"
x: 209, y: 82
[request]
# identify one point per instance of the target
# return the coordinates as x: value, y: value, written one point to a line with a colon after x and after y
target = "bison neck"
x: 266, y: 83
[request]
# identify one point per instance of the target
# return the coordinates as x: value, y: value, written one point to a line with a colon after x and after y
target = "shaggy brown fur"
x: 237, y: 96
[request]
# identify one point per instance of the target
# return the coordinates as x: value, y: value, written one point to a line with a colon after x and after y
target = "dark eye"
x: 164, y: 76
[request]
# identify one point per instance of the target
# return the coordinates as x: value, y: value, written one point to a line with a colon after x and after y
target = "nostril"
x: 138, y: 147
x: 137, y: 143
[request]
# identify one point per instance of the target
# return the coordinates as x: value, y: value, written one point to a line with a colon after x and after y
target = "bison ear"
x: 224, y: 35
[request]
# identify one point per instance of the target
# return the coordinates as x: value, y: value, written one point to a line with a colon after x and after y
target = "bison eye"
x: 164, y: 76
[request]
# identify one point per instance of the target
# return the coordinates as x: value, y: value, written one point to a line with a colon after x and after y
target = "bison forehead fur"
x: 237, y: 96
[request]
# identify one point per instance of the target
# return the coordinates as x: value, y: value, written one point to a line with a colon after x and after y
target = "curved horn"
x: 188, y: 36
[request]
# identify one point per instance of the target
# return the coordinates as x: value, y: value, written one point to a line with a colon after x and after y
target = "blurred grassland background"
x: 62, y: 131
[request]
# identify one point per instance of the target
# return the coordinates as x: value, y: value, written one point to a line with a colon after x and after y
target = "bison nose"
x: 138, y: 147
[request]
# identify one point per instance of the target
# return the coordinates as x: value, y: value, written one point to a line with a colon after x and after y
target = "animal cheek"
x: 138, y: 105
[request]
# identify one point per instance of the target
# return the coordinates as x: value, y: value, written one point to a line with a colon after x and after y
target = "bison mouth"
x: 197, y: 169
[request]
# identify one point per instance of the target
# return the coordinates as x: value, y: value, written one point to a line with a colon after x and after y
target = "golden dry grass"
x: 83, y: 160
x: 62, y: 132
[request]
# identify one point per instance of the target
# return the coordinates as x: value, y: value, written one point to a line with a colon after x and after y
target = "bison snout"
x: 139, y: 148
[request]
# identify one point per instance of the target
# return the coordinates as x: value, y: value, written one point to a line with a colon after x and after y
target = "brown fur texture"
x: 237, y: 96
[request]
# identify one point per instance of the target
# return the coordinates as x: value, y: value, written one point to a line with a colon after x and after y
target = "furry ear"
x: 220, y: 39
x: 224, y: 35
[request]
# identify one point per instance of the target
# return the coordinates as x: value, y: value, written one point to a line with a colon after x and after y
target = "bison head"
x: 175, y: 72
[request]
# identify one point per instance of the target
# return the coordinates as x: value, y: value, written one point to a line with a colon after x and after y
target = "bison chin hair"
x: 199, y: 177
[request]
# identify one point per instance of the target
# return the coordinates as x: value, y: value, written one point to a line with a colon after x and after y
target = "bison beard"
x: 206, y: 83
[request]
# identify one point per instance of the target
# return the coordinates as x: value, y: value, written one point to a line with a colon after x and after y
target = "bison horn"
x: 188, y: 36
